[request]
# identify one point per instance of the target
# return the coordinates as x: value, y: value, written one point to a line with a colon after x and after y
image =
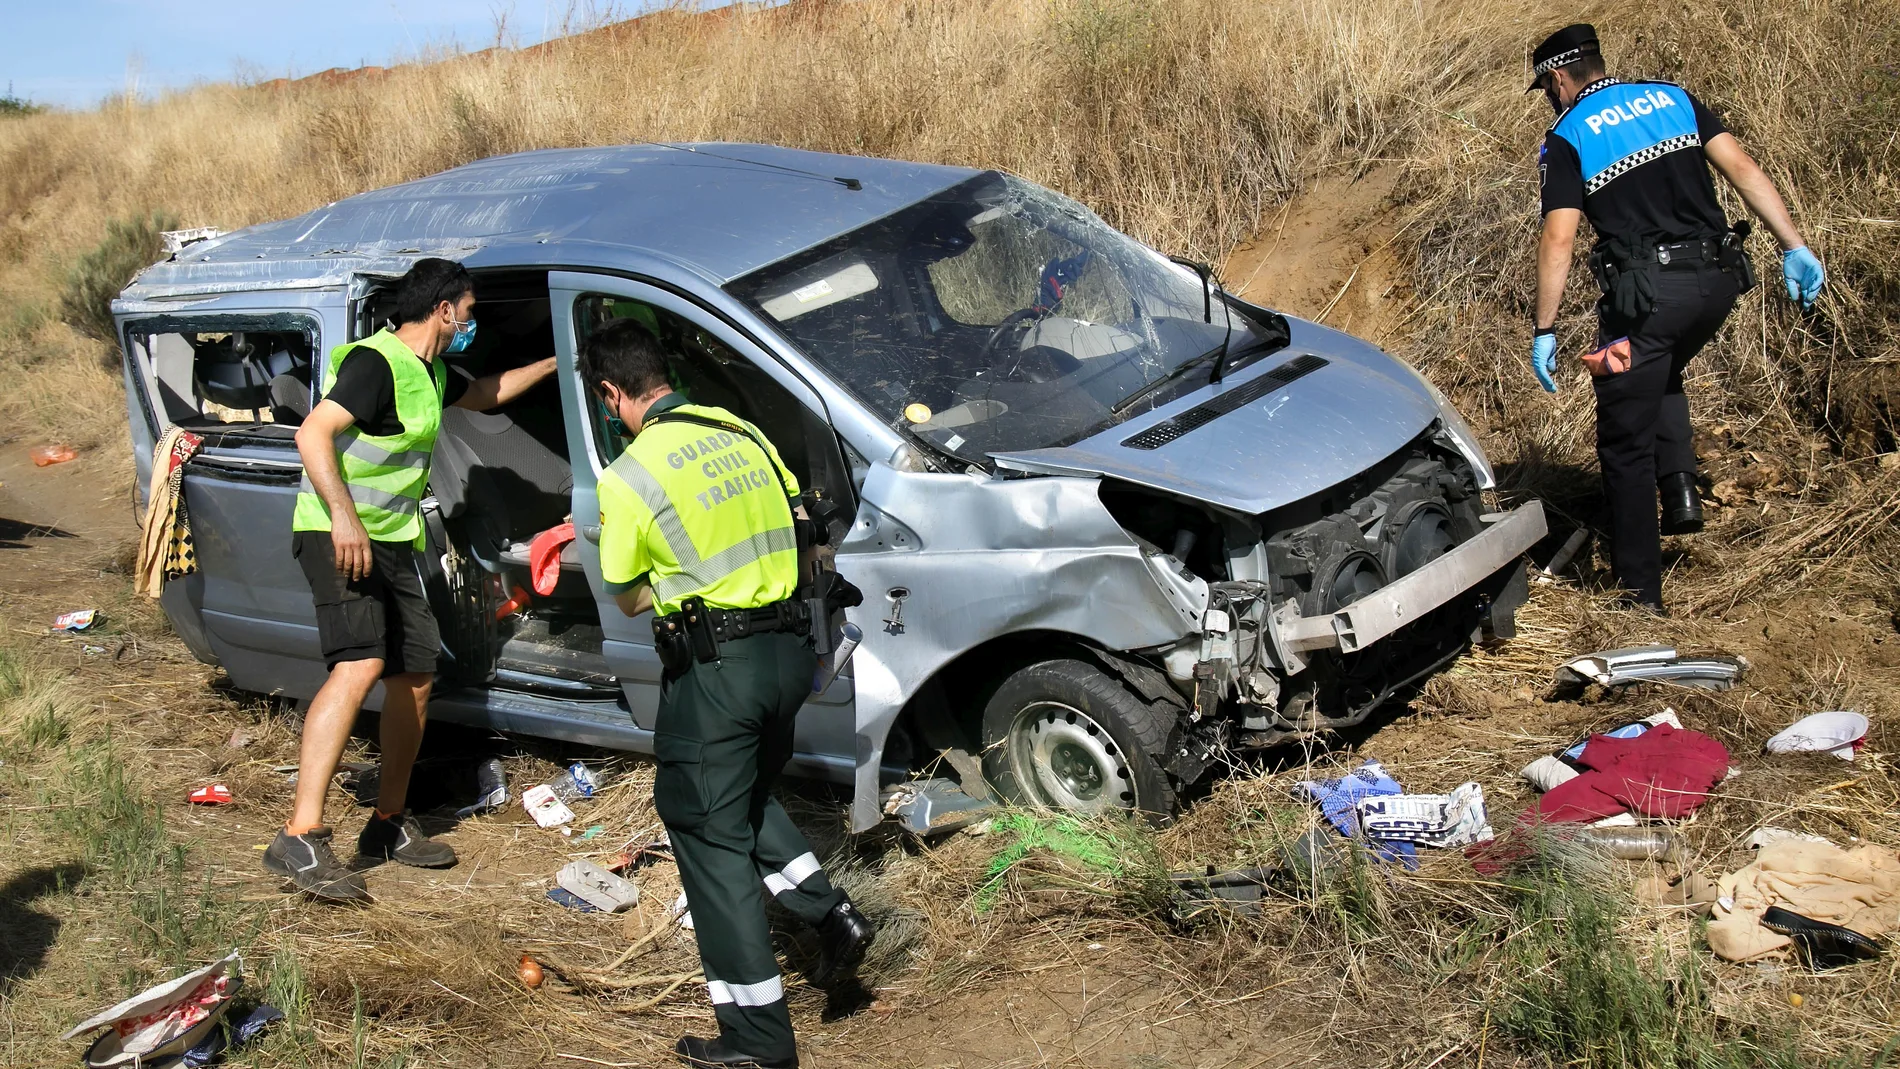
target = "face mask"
x: 464, y: 336
x: 618, y: 427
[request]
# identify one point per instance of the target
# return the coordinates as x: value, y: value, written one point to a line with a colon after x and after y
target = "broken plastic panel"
x: 1651, y: 664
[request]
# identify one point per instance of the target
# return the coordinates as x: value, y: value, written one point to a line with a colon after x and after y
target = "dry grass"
x: 1188, y: 123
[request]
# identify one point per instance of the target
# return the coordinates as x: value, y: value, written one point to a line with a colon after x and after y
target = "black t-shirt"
x: 1646, y: 186
x: 366, y: 388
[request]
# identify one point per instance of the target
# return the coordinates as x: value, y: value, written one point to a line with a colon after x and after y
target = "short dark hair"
x: 626, y: 354
x: 1587, y: 68
x: 427, y: 284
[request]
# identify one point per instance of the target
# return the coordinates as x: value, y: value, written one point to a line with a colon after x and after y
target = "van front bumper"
x: 1411, y: 597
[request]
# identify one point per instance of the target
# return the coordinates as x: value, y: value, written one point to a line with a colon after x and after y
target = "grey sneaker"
x: 307, y: 860
x: 401, y: 839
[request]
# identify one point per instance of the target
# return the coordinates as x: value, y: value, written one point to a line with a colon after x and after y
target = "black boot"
x: 1681, y: 507
x: 712, y: 1052
x: 843, y: 937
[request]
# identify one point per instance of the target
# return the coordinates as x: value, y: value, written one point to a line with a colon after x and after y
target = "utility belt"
x: 1626, y: 274
x: 697, y: 631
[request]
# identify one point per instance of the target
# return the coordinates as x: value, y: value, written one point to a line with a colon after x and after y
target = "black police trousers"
x: 1643, y: 432
x: 724, y: 734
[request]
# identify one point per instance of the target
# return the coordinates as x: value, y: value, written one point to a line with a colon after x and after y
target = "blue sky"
x: 72, y: 53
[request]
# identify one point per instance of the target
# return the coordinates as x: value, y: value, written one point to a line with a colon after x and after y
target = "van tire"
x: 1063, y: 734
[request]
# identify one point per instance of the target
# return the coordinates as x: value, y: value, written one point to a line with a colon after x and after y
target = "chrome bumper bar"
x: 1398, y: 603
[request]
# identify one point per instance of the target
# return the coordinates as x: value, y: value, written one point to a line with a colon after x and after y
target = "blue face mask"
x: 464, y: 336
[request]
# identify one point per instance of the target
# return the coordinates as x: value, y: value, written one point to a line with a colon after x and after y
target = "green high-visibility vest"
x: 386, y: 474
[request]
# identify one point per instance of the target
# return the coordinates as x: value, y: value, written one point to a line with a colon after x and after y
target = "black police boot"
x: 712, y: 1052
x: 843, y: 937
x: 1681, y: 507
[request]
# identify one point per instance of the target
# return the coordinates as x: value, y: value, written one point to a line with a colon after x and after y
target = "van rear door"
x: 237, y: 373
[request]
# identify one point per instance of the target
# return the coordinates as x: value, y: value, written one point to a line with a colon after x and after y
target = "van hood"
x: 1322, y: 410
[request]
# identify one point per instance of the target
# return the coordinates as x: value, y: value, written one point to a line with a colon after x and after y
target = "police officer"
x: 357, y: 532
x: 1634, y: 158
x: 697, y: 524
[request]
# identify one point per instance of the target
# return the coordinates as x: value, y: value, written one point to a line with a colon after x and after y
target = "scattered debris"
x: 545, y: 807
x: 165, y: 1021
x: 933, y: 806
x: 1627, y: 731
x: 1339, y: 800
x: 1549, y: 573
x: 529, y: 971
x: 592, y: 832
x: 1650, y: 664
x: 44, y: 455
x: 684, y: 916
x: 223, y: 1041
x: 210, y: 794
x: 1820, y: 944
x: 491, y: 786
x: 1856, y: 890
x: 241, y: 738
x: 597, y: 887
x: 1240, y: 891
x: 1664, y: 772
x: 78, y: 620
x: 1439, y: 820
x: 561, y: 896
x: 1840, y: 733
x: 580, y: 782
x: 1632, y: 844
x: 1764, y: 836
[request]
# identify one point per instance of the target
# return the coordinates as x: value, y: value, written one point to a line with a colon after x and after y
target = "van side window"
x: 707, y: 372
x: 196, y: 378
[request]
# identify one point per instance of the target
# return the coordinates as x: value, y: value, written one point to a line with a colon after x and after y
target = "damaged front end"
x: 1316, y: 613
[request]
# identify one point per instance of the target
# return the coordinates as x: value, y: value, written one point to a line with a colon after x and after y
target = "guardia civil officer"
x: 357, y: 531
x: 1634, y: 158
x: 697, y: 523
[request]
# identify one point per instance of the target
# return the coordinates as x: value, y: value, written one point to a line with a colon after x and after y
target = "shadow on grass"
x: 27, y: 934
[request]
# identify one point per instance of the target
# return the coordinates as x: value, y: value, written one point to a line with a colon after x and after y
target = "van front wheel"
x: 1066, y: 735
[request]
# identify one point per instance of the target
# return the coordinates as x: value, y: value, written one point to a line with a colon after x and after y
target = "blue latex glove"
x: 1804, y: 275
x: 1544, y: 360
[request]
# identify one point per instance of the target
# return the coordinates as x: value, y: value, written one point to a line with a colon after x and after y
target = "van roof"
x: 719, y: 209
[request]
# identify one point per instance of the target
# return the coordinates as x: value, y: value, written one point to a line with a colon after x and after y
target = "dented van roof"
x: 718, y: 209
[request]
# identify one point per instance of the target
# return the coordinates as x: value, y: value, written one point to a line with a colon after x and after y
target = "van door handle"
x: 591, y: 532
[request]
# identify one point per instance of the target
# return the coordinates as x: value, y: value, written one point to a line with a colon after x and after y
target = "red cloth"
x: 544, y: 557
x: 1663, y: 772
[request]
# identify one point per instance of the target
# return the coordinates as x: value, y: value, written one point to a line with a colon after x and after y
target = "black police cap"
x: 1563, y: 48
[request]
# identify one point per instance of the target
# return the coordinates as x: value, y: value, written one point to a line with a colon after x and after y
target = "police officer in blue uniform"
x: 1634, y: 158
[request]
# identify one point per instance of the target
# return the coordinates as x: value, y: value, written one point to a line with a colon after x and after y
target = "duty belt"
x: 1627, y: 273
x: 696, y: 632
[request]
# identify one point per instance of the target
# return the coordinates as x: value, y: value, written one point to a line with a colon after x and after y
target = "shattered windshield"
x: 1000, y: 316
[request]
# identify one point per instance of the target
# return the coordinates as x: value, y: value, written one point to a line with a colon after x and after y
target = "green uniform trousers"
x: 724, y: 734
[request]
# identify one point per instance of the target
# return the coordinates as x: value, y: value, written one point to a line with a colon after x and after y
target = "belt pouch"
x: 671, y: 643
x: 699, y: 629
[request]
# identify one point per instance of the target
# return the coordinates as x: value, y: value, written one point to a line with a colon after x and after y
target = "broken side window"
x: 222, y: 372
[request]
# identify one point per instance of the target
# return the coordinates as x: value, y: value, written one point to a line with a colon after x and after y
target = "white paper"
x: 546, y: 809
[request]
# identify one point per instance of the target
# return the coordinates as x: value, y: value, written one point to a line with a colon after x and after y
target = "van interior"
x: 500, y: 478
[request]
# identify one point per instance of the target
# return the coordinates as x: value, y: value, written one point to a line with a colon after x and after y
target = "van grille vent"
x: 1201, y: 415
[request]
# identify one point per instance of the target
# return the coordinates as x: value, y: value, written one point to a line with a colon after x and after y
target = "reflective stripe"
x: 636, y: 476
x: 350, y: 443
x: 702, y: 574
x: 400, y: 504
x: 763, y: 993
x: 802, y: 868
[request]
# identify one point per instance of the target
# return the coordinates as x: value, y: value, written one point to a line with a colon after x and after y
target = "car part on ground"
x: 1650, y: 664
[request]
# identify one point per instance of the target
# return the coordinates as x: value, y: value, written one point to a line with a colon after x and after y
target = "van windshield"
x: 1000, y: 316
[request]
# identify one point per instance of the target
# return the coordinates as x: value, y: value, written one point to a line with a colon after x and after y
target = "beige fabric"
x: 165, y: 545
x: 1858, y: 889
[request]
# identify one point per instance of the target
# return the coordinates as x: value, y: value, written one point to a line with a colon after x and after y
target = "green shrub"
x: 130, y: 245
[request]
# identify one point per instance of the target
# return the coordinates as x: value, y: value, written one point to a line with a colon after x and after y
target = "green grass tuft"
x: 129, y: 246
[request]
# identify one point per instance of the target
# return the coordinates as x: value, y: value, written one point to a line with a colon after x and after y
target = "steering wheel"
x: 1011, y: 323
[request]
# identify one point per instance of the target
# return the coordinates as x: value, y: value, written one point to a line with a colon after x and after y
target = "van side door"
x: 713, y: 363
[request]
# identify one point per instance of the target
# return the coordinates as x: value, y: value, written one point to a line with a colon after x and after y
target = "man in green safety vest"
x: 366, y: 449
x: 697, y: 523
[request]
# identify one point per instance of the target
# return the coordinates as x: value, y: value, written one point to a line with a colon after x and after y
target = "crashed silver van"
x: 1113, y: 525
